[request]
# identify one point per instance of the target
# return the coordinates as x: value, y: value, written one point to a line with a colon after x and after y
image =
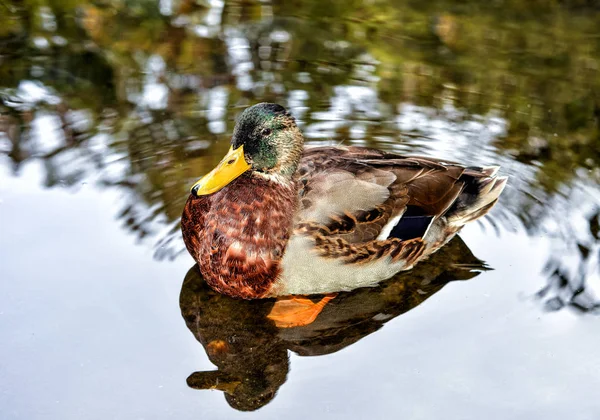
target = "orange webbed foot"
x: 294, y: 311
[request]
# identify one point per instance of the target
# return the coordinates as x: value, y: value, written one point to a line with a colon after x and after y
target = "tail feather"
x: 490, y: 171
x: 479, y: 196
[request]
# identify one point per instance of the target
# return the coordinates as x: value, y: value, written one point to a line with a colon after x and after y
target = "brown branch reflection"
x: 251, y: 352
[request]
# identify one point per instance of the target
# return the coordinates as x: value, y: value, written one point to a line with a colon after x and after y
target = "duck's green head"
x: 271, y: 140
x: 265, y: 141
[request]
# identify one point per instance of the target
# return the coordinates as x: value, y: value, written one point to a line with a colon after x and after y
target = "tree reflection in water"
x: 142, y: 98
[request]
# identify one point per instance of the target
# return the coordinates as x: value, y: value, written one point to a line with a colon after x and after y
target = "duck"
x: 277, y: 219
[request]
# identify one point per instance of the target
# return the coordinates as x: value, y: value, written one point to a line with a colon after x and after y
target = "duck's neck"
x: 244, y: 233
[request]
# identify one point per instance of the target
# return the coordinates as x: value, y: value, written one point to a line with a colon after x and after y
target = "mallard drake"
x: 277, y: 219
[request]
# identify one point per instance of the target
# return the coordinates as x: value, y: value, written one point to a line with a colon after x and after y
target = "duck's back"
x: 365, y: 214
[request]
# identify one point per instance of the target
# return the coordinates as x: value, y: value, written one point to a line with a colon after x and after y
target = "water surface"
x: 109, y: 112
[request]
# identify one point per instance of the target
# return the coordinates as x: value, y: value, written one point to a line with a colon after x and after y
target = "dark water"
x: 111, y: 109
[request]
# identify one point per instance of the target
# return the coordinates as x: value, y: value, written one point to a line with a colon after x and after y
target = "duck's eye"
x: 266, y: 132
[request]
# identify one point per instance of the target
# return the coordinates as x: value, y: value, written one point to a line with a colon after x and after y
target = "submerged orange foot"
x: 296, y: 311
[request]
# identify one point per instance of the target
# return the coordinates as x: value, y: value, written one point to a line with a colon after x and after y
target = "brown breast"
x: 238, y: 234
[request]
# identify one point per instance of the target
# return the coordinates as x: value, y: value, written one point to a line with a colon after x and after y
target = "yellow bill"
x: 213, y: 380
x: 230, y: 167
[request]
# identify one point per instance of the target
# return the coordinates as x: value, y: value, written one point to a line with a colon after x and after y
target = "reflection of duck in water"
x: 248, y: 340
x: 274, y: 219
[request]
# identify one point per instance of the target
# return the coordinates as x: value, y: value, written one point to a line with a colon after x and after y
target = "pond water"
x: 110, y: 110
